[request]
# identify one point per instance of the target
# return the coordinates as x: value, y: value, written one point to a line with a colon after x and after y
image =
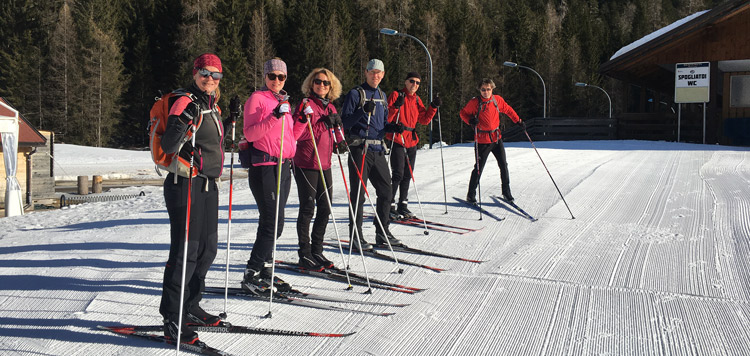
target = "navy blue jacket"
x: 354, y: 117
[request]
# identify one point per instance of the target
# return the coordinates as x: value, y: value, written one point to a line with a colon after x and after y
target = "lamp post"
x: 579, y: 84
x: 544, y: 88
x: 392, y: 32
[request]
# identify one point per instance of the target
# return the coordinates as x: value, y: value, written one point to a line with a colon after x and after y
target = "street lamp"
x: 579, y: 84
x: 392, y: 32
x: 544, y: 88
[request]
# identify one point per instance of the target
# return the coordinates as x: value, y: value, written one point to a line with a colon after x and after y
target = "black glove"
x: 399, y: 101
x: 281, y: 109
x: 339, y: 147
x: 369, y: 106
x: 332, y: 120
x: 190, y: 113
x: 234, y: 107
x: 436, y: 102
x: 302, y: 119
x: 474, y: 121
x: 522, y: 124
x: 397, y: 128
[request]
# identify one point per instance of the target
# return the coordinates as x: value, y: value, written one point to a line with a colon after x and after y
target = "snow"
x: 654, y: 263
x: 656, y: 34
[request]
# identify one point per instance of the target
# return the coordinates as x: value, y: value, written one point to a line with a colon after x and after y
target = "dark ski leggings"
x: 311, y: 195
x: 400, y: 170
x: 498, y: 150
x: 377, y: 172
x: 262, y: 181
x: 204, y: 215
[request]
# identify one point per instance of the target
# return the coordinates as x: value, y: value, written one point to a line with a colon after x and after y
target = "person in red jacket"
x: 321, y: 88
x: 483, y: 114
x: 405, y: 109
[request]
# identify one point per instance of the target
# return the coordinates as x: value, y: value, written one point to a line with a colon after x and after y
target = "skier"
x: 264, y: 113
x: 405, y: 109
x: 364, y: 115
x: 483, y: 113
x: 208, y: 155
x: 321, y: 88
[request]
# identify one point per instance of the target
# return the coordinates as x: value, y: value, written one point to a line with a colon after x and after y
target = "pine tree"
x: 62, y: 78
x: 198, y: 23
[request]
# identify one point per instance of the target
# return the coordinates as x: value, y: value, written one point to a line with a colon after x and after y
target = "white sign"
x: 692, y: 82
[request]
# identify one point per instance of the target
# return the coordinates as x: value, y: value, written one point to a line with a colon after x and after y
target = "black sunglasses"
x: 414, y: 81
x: 205, y: 73
x: 273, y: 76
x: 323, y: 82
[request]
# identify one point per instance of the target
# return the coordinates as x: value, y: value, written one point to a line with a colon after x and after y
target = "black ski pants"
x: 311, y: 195
x: 263, y: 180
x: 375, y: 170
x: 202, y: 241
x: 401, y: 174
x: 498, y: 150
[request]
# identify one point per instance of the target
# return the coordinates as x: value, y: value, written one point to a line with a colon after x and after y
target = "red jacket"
x: 489, y: 118
x: 411, y: 113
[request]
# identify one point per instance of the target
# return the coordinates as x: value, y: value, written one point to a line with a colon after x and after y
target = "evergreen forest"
x: 89, y: 70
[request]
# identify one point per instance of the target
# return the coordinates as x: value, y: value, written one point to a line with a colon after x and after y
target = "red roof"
x: 28, y: 135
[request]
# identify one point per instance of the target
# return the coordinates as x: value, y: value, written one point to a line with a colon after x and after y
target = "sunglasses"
x: 414, y: 81
x: 205, y: 73
x: 273, y: 76
x: 322, y: 82
x: 485, y: 89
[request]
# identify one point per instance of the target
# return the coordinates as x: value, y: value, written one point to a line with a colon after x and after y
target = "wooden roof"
x: 28, y: 135
x: 717, y: 35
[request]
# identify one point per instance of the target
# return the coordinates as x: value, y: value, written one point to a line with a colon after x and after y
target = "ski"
x: 227, y: 328
x: 386, y: 257
x: 478, y: 208
x: 515, y: 206
x: 284, y: 299
x: 404, y: 248
x: 297, y: 294
x: 198, y: 347
x: 336, y: 274
x: 435, y: 223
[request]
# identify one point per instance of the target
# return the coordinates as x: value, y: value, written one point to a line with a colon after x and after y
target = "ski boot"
x: 255, y: 284
x: 394, y: 215
x: 380, y: 239
x: 197, y: 316
x: 171, y: 327
x: 279, y: 284
x: 309, y: 262
x: 326, y: 263
x: 404, y: 211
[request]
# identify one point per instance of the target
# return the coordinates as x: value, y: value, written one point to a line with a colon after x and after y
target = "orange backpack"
x: 158, y: 124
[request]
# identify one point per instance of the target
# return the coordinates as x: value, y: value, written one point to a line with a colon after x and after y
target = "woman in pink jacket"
x: 321, y: 88
x: 264, y: 113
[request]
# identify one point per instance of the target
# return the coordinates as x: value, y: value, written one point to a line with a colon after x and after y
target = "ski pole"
x: 229, y: 218
x: 369, y: 199
x: 442, y: 162
x: 351, y: 211
x: 548, y: 173
x: 416, y: 191
x: 187, y: 237
x: 479, y: 172
x: 276, y: 219
x: 328, y: 196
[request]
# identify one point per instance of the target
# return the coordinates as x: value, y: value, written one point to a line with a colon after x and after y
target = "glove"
x: 189, y: 115
x: 399, y: 101
x: 369, y: 106
x: 474, y: 121
x: 436, y: 102
x: 339, y: 147
x: 234, y: 106
x: 329, y: 120
x: 308, y: 110
x: 336, y: 119
x: 281, y: 109
x: 522, y: 124
x: 397, y: 128
x: 302, y: 119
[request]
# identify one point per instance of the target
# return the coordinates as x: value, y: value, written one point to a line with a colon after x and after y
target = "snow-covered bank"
x: 655, y: 262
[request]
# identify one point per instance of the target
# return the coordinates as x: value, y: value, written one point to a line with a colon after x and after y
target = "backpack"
x: 159, y: 113
x: 363, y: 98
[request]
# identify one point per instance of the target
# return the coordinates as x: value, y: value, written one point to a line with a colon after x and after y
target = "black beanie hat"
x: 413, y: 75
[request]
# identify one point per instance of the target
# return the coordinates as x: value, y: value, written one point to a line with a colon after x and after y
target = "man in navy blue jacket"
x: 364, y: 115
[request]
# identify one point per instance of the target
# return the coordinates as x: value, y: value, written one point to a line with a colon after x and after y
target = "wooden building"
x: 34, y: 172
x: 646, y: 73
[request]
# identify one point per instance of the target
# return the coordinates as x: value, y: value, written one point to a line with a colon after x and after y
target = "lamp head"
x: 510, y: 64
x: 579, y: 84
x: 388, y: 31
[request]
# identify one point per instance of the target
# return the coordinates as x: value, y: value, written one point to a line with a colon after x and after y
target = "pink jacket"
x: 264, y: 130
x: 305, y: 156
